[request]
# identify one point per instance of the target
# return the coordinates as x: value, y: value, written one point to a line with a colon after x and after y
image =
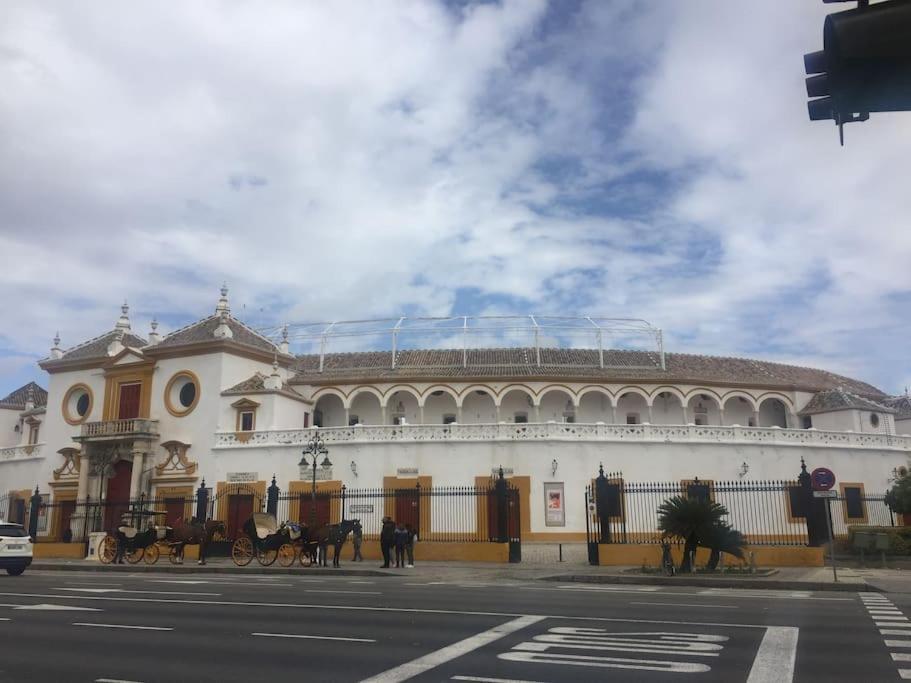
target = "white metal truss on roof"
x: 467, y: 333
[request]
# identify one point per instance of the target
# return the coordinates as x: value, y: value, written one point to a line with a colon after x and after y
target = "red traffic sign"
x: 822, y: 479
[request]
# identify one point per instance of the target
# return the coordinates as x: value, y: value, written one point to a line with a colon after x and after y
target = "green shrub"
x: 899, y: 538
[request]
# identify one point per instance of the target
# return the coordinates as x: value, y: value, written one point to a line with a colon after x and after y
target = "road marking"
x: 5, y: 619
x: 733, y: 594
x: 127, y: 626
x: 367, y: 582
x: 661, y: 642
x: 294, y: 635
x: 44, y: 607
x: 489, y: 680
x: 898, y: 643
x: 121, y: 590
x: 450, y: 652
x: 893, y: 632
x: 343, y: 592
x: 901, y: 657
x: 683, y: 604
x: 612, y: 589
x: 605, y: 662
x: 114, y: 680
x: 225, y: 583
x: 777, y: 653
x: 376, y: 608
x: 886, y: 617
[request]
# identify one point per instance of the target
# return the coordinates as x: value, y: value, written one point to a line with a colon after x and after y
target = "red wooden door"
x: 118, y: 496
x: 240, y: 509
x: 175, y: 511
x: 408, y: 507
x: 67, y: 508
x: 128, y: 407
x: 322, y: 509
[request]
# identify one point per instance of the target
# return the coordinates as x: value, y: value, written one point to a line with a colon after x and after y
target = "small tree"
x: 689, y: 519
x: 898, y: 498
x: 722, y: 538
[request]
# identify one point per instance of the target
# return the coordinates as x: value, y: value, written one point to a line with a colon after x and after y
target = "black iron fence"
x: 767, y: 513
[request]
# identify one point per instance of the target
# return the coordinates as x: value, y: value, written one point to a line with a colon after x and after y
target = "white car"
x: 15, y: 548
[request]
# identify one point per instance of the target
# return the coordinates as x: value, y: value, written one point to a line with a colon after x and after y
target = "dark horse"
x: 335, y: 535
x: 193, y: 532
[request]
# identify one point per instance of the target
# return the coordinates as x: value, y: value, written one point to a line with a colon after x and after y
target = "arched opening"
x: 365, y: 410
x: 329, y: 411
x: 632, y: 409
x: 703, y: 409
x: 478, y: 407
x: 518, y: 406
x: 667, y: 409
x: 773, y: 413
x: 594, y: 406
x: 402, y: 408
x: 557, y: 406
x: 739, y: 411
x: 440, y: 408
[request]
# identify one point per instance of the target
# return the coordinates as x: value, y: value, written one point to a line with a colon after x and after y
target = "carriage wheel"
x: 107, y: 549
x: 133, y: 556
x: 242, y: 551
x: 173, y: 556
x: 286, y: 555
x: 152, y: 553
x: 266, y: 556
x: 305, y: 559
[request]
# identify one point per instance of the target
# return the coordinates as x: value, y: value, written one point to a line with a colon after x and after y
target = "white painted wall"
x: 9, y: 418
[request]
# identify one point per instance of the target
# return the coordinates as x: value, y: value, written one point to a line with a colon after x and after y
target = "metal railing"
x: 558, y: 431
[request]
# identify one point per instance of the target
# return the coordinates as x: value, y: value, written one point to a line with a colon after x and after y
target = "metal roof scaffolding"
x: 542, y: 336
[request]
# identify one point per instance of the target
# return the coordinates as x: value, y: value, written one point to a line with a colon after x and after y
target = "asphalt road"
x: 97, y: 627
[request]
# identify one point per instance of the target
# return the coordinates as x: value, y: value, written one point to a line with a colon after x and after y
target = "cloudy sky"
x: 349, y: 160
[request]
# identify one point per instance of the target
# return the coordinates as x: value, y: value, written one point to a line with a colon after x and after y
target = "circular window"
x: 182, y: 393
x: 77, y: 404
x: 874, y: 419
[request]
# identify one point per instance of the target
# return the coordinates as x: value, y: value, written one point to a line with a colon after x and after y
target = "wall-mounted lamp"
x: 744, y: 468
x: 354, y: 468
x: 553, y: 467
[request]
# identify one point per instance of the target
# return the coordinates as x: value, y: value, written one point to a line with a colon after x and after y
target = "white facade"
x: 251, y: 410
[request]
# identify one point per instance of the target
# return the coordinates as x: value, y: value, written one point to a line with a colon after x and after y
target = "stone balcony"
x: 26, y: 452
x: 118, y: 430
x: 554, y: 431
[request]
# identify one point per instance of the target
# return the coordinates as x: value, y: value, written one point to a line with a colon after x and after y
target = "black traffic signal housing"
x: 865, y: 63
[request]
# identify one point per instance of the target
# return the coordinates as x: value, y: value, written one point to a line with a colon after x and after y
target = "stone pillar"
x: 136, y: 474
x: 347, y: 416
x: 382, y: 414
x: 536, y: 412
x: 83, y: 489
x: 721, y: 417
x: 686, y: 415
x: 459, y: 414
x: 421, y: 414
x: 612, y: 415
x: 650, y: 419
x: 499, y: 419
x: 756, y: 418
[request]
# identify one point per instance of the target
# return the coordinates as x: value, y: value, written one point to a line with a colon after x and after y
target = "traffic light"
x: 865, y: 63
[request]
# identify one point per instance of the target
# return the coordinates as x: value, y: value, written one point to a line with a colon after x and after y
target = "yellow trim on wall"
x: 70, y: 420
x: 117, y: 376
x: 844, y: 502
x: 180, y: 411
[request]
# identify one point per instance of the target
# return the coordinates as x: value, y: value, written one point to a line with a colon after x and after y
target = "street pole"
x: 831, y: 541
x: 313, y: 497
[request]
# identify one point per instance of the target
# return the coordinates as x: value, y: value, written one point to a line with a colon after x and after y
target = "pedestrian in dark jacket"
x: 401, y: 539
x: 409, y: 544
x: 387, y: 540
x: 357, y: 538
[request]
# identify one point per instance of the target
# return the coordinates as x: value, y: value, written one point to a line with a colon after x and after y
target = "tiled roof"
x: 17, y: 398
x: 840, y: 399
x: 902, y: 404
x: 582, y: 364
x: 257, y: 385
x: 204, y: 331
x: 98, y: 347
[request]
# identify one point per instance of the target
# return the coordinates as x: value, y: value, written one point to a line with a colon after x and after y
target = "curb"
x: 206, y: 569
x: 771, y: 584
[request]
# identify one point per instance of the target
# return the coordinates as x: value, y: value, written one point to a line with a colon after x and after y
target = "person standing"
x: 401, y: 538
x: 409, y: 544
x: 387, y: 539
x: 357, y: 537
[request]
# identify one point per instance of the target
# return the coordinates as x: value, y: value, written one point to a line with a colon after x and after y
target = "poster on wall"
x: 554, y: 504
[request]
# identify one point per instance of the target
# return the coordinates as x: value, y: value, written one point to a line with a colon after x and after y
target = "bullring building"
x: 546, y: 400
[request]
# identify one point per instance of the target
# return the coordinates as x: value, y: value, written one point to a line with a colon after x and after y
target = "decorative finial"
x: 153, y: 335
x: 601, y: 469
x: 285, y: 338
x: 154, y: 325
x: 57, y: 344
x: 222, y: 306
x: 284, y: 346
x: 123, y: 323
x: 56, y: 351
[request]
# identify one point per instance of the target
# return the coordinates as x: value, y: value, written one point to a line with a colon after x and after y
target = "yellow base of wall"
x: 616, y: 555
x: 433, y: 552
x: 63, y: 551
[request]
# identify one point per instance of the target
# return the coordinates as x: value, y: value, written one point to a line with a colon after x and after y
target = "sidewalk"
x: 784, y: 578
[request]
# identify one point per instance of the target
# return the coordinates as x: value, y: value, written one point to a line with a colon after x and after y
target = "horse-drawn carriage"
x: 266, y: 540
x: 137, y: 544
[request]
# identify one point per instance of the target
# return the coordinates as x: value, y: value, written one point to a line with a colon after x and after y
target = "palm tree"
x: 689, y: 519
x: 722, y: 538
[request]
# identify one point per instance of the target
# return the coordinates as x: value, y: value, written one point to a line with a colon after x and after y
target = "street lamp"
x: 316, y: 448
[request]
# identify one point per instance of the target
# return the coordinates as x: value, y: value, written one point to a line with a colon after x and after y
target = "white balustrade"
x: 21, y: 452
x: 557, y: 431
